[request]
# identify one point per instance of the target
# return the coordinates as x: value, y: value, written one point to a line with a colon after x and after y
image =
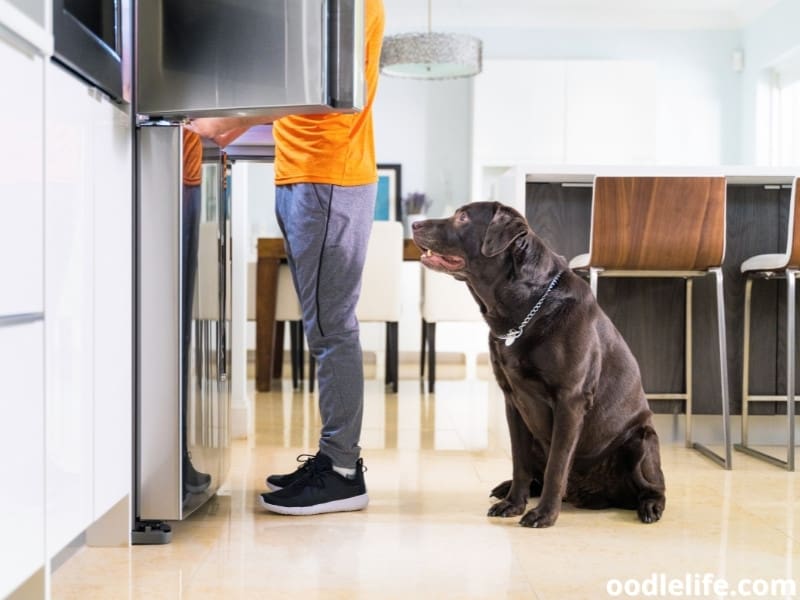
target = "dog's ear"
x: 506, y: 226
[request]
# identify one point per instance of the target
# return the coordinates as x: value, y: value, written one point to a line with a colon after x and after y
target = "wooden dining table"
x: 269, y: 333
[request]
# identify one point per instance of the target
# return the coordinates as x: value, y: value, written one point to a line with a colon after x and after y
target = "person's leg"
x: 327, y: 230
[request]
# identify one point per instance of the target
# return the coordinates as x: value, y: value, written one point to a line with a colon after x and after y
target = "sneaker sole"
x: 344, y: 505
x: 273, y: 488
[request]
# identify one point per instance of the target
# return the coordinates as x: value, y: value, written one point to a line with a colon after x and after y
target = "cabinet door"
x: 22, y: 452
x: 69, y: 306
x: 113, y: 318
x: 519, y: 112
x: 21, y: 185
x: 610, y: 112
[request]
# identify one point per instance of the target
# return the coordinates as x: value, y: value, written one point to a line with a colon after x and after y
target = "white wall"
x: 425, y: 125
x: 768, y: 42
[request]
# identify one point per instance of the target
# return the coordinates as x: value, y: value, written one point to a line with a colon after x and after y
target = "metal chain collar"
x: 515, y: 333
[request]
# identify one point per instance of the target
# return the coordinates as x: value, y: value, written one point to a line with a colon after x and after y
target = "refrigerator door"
x: 202, y: 58
x: 184, y: 329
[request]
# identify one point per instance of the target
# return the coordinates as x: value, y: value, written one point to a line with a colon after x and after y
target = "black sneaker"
x: 278, y: 482
x: 319, y: 490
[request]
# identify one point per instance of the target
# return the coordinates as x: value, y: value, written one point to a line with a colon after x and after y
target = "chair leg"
x: 312, y: 371
x: 296, y: 345
x: 277, y: 350
x: 791, y: 280
x: 431, y: 357
x: 789, y: 463
x: 688, y: 360
x: 724, y: 461
x: 301, y: 337
x: 422, y: 349
x: 392, y: 355
x: 387, y: 368
x: 748, y: 299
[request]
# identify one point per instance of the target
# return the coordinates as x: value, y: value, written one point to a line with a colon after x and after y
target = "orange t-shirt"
x: 192, y: 158
x: 334, y: 148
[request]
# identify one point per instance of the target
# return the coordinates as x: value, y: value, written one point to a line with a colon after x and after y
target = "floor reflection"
x: 432, y: 460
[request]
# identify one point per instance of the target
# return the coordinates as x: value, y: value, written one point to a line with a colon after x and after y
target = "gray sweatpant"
x: 326, y: 228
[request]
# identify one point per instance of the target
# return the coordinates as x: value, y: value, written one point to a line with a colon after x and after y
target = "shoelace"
x: 306, y: 459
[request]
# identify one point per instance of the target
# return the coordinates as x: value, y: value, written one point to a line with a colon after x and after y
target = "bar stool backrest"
x: 658, y: 223
x: 793, y: 241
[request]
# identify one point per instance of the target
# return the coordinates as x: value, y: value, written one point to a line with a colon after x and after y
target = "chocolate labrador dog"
x: 579, y: 422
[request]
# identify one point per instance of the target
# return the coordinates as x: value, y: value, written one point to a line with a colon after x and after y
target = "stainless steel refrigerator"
x: 196, y: 58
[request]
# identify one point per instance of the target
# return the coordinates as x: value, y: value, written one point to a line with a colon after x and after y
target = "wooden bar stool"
x: 664, y: 227
x: 769, y: 266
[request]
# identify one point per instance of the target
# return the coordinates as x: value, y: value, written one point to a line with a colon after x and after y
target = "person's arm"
x: 223, y: 130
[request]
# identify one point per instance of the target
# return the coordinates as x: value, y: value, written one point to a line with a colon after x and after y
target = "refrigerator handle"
x: 346, y: 39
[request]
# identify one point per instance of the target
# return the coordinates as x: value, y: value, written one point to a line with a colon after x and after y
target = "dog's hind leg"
x: 501, y: 489
x: 648, y: 480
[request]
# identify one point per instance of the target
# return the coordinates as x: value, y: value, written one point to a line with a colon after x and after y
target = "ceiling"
x: 412, y: 15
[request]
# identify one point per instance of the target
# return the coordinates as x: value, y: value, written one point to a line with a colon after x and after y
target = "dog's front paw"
x: 650, y: 510
x: 539, y: 517
x: 504, y: 508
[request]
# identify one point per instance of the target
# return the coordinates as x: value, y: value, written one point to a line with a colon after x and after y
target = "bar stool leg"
x: 688, y: 360
x: 724, y: 461
x: 748, y: 299
x: 789, y: 463
x: 791, y: 276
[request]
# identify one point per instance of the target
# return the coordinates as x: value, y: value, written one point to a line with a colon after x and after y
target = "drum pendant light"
x: 431, y: 55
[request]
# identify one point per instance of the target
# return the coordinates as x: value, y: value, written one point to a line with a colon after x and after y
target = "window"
x: 785, y: 115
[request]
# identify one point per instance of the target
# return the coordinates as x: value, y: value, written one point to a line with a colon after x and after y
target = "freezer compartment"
x: 249, y: 57
x: 183, y: 416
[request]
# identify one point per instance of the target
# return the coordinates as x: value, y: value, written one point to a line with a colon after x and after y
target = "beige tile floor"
x: 432, y: 460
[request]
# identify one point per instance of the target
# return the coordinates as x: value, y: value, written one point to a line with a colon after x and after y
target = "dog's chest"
x: 530, y: 394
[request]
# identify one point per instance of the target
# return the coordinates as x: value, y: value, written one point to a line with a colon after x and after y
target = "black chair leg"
x: 392, y: 355
x: 293, y: 342
x: 431, y: 334
x: 300, y: 353
x: 422, y: 349
x: 312, y: 371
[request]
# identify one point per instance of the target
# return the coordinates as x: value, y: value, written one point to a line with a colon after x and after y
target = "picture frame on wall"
x: 387, y: 202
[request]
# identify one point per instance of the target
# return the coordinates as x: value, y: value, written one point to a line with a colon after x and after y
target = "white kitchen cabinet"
x: 611, y: 108
x: 113, y: 322
x: 22, y: 508
x: 519, y: 112
x: 550, y: 112
x: 22, y: 182
x: 88, y: 305
x: 22, y: 449
x: 69, y: 307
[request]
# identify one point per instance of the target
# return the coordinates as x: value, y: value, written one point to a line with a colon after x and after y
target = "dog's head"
x: 479, y: 236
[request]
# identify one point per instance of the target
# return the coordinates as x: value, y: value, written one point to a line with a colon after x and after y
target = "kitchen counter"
x: 650, y: 312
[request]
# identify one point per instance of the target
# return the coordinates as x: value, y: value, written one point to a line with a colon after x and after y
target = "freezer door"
x: 248, y: 57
